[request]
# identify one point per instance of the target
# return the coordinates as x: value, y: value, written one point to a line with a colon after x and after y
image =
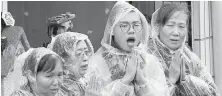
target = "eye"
x: 137, y: 25
x: 170, y: 25
x: 124, y: 25
x: 78, y: 53
x: 60, y: 74
x: 49, y: 76
x: 182, y: 26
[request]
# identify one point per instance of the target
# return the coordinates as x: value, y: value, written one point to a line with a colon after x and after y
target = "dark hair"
x: 147, y: 18
x: 167, y: 10
x: 48, y: 63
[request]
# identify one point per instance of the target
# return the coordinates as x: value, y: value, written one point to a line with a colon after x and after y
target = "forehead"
x: 130, y: 17
x: 81, y: 44
x: 178, y: 17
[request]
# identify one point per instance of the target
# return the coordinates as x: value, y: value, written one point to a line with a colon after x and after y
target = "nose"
x: 56, y: 81
x: 85, y: 57
x: 131, y: 30
x: 175, y: 31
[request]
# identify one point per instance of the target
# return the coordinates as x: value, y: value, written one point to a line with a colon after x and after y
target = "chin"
x: 174, y: 47
x: 83, y: 72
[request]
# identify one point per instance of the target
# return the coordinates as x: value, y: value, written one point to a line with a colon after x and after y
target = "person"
x: 186, y: 75
x: 14, y: 43
x: 40, y: 75
x: 76, y: 49
x: 121, y: 67
x: 59, y: 24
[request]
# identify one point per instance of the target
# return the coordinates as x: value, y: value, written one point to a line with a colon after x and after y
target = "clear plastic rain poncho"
x: 197, y: 82
x: 65, y: 45
x: 17, y: 82
x: 107, y: 66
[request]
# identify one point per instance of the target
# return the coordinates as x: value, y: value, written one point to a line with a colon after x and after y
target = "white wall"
x: 4, y: 5
x: 217, y: 41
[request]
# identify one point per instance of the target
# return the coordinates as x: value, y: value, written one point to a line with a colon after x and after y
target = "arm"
x: 24, y: 40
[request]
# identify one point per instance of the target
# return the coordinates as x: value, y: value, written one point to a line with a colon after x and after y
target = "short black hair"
x: 167, y: 10
x: 48, y: 63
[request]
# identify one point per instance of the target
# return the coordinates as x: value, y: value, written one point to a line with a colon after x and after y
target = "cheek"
x: 138, y: 36
x: 164, y: 33
x: 119, y: 37
x: 43, y: 82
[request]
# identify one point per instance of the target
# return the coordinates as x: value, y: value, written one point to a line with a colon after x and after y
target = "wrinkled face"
x: 173, y: 33
x: 78, y: 60
x: 48, y: 83
x: 82, y: 53
x: 127, y: 32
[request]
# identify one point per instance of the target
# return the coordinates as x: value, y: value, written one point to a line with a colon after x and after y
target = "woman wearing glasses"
x: 75, y: 49
x: 185, y: 74
x: 120, y: 67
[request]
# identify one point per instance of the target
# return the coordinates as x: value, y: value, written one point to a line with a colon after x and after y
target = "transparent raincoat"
x: 197, y: 82
x: 107, y: 65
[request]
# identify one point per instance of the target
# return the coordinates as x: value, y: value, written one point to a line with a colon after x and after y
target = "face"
x: 48, y: 83
x: 127, y: 31
x: 82, y: 53
x: 65, y: 27
x: 173, y: 33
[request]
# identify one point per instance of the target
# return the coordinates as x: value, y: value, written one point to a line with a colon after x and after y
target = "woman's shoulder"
x: 191, y: 55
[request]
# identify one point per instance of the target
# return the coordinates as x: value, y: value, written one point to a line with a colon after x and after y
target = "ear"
x: 30, y: 76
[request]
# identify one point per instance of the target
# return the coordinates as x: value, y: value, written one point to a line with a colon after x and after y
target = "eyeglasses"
x: 125, y: 27
x: 81, y: 53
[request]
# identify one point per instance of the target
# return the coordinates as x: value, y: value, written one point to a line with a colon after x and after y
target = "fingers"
x: 183, y: 70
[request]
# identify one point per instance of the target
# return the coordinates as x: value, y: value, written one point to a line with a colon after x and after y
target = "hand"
x: 130, y: 70
x: 175, y: 68
x: 140, y: 76
x: 182, y: 70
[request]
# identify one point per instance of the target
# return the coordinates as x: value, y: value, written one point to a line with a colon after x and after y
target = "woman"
x: 59, y: 24
x: 14, y: 43
x: 120, y: 66
x: 75, y: 49
x: 42, y: 74
x: 185, y: 74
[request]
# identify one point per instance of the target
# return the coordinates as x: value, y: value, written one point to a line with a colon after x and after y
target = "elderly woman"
x: 75, y: 49
x: 186, y: 75
x: 59, y: 24
x: 120, y: 67
x: 41, y: 74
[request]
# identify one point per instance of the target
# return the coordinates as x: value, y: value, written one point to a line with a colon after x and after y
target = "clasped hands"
x: 177, y: 69
x: 134, y: 70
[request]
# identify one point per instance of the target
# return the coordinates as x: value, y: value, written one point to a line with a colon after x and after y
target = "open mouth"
x: 130, y: 41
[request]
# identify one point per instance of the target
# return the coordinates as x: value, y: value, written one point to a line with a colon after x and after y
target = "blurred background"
x: 205, y: 29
